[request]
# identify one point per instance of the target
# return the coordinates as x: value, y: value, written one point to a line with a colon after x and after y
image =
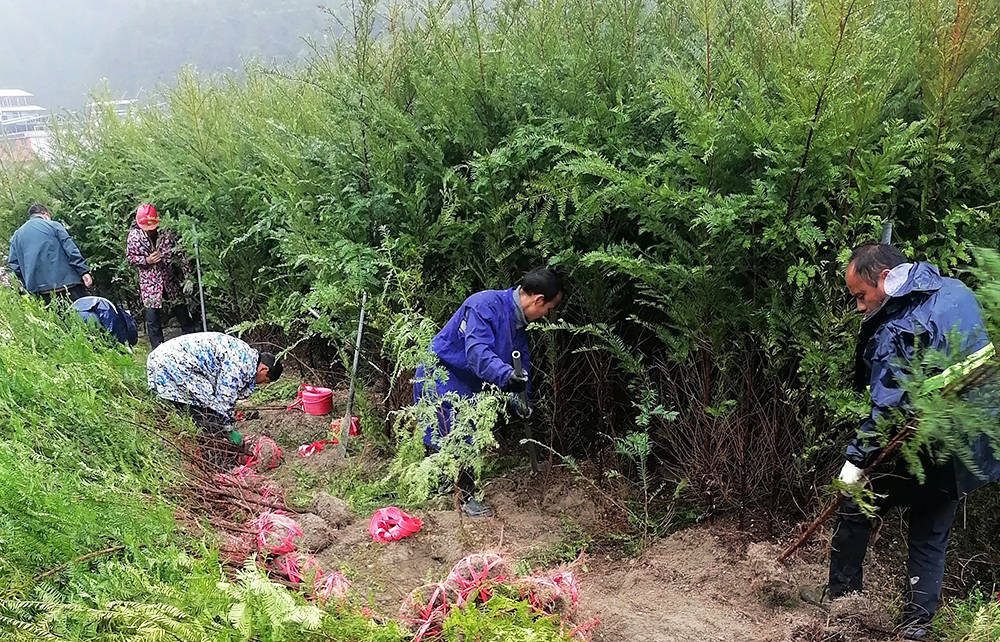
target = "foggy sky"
x: 60, y: 49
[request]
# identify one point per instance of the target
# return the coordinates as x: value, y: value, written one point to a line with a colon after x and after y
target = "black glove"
x: 517, y: 383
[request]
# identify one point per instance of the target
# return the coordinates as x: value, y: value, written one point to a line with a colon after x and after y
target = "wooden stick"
x: 831, y: 508
x: 105, y: 551
x: 973, y: 379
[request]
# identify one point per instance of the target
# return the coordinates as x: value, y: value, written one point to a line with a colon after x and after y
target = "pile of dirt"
x: 706, y: 583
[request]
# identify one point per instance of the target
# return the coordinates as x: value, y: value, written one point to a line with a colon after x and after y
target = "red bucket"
x: 314, y: 400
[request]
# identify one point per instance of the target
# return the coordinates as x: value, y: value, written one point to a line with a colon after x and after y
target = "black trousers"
x: 930, y: 513
x: 466, y: 480
x: 156, y: 316
x: 217, y: 451
x: 70, y: 293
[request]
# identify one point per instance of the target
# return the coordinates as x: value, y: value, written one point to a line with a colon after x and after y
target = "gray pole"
x: 345, y: 423
x: 201, y: 292
x: 887, y: 232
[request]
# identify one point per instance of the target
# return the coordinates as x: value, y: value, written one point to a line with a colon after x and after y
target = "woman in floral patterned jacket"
x: 154, y: 254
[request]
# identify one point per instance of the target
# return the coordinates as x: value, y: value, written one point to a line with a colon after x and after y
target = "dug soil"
x: 710, y: 582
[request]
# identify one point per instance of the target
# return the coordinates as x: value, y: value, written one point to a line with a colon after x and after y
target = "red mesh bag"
x: 554, y: 593
x: 425, y: 609
x: 475, y: 575
x: 274, y: 532
x: 289, y: 565
x: 333, y: 585
x: 264, y: 453
x: 390, y: 524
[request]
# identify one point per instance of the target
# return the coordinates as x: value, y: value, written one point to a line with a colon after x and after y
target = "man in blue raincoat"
x: 906, y: 304
x: 475, y: 349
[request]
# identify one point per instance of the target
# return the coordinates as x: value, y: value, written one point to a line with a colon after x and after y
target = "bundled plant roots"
x: 264, y: 454
x: 474, y: 576
x: 332, y: 585
x: 555, y: 593
x: 425, y: 608
x: 275, y: 532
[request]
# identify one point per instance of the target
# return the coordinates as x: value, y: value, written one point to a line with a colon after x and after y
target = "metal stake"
x: 201, y: 292
x: 345, y: 423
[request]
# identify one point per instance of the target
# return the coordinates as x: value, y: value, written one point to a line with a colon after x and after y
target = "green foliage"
x: 89, y: 548
x: 573, y: 542
x: 973, y: 619
x: 500, y: 619
x: 81, y: 468
x: 700, y: 171
x: 277, y: 391
x: 365, y: 489
x: 464, y: 447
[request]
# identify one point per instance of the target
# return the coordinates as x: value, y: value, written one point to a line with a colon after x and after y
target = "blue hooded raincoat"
x: 475, y: 349
x: 924, y: 308
x: 104, y: 313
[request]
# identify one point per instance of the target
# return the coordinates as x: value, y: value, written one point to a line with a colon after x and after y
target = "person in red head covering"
x: 156, y: 254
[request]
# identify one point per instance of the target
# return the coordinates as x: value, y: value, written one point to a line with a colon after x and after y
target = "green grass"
x: 976, y: 618
x: 365, y: 491
x: 277, y: 391
x: 574, y: 540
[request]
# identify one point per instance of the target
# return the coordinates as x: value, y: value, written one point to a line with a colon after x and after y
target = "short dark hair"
x: 869, y: 259
x: 542, y: 280
x: 37, y: 208
x: 274, y: 367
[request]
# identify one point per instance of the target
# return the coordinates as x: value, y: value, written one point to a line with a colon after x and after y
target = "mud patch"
x: 333, y: 510
x: 316, y: 533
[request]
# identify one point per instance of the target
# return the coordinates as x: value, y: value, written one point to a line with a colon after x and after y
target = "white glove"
x: 851, y: 474
x: 187, y: 287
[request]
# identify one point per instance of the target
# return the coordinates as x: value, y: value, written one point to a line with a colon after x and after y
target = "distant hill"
x: 60, y: 50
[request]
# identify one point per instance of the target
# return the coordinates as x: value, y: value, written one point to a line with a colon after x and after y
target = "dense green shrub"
x: 700, y: 168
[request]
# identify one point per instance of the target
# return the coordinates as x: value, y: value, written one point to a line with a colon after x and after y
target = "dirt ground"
x: 705, y: 583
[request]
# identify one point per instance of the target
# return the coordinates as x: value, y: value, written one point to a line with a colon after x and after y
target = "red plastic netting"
x: 474, y: 576
x: 264, y: 453
x: 332, y: 585
x: 274, y: 532
x: 555, y: 592
x: 390, y: 524
x: 425, y: 608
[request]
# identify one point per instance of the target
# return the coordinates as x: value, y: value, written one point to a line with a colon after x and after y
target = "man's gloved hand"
x: 516, y: 383
x: 187, y: 287
x: 851, y: 474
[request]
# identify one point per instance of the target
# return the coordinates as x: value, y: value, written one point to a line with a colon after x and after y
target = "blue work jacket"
x: 922, y: 308
x: 475, y: 348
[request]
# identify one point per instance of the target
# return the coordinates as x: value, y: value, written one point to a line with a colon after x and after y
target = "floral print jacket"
x: 205, y: 369
x: 157, y: 281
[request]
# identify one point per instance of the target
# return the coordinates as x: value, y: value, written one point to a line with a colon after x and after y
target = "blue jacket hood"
x: 918, y: 277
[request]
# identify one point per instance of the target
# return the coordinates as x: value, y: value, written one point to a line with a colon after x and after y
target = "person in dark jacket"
x: 46, y: 260
x: 115, y: 321
x: 475, y: 348
x: 906, y: 304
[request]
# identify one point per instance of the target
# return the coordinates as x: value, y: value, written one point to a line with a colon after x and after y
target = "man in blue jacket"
x: 46, y: 260
x: 906, y: 304
x: 475, y: 348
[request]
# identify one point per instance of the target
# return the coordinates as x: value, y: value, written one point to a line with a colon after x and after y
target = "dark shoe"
x: 915, y: 631
x: 817, y: 596
x: 475, y: 508
x: 445, y: 487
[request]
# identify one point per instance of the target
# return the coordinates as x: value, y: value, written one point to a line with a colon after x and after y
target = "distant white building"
x: 18, y: 113
x: 23, y: 127
x: 119, y: 107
